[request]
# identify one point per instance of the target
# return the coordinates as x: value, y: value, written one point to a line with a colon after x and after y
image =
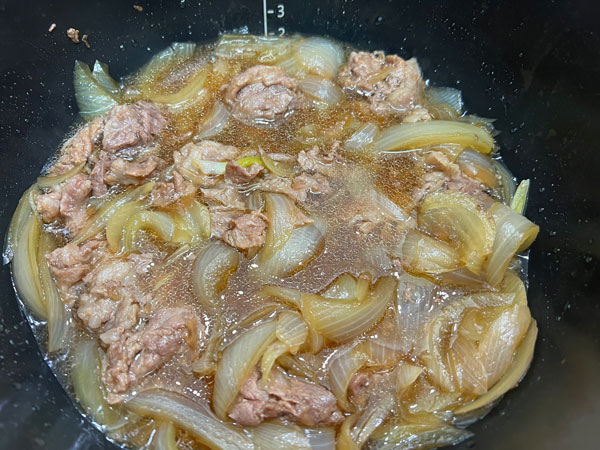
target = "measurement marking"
x: 265, y: 17
x: 270, y: 11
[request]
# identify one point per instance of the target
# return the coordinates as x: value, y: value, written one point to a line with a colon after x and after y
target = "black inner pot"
x: 533, y: 65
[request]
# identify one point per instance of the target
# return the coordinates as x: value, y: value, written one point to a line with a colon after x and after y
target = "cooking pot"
x: 533, y: 65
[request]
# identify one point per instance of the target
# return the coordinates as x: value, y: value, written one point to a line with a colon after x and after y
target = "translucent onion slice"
x: 364, y: 136
x: 446, y: 95
x: 165, y: 438
x: 238, y: 360
x: 207, y: 363
x: 321, y: 89
x: 469, y: 372
x: 85, y: 379
x: 108, y: 208
x: 498, y: 345
x: 478, y: 166
x: 193, y: 224
x: 281, y: 214
x: 345, y: 440
x: 57, y: 317
x: 102, y: 76
x: 211, y: 271
x: 379, y: 353
x: 346, y: 287
x: 209, y: 167
x: 159, y: 223
x: 518, y: 369
x: 409, y: 136
x: 514, y: 233
x: 272, y: 353
x: 266, y: 48
x: 22, y: 214
x: 342, y: 320
x: 406, y: 375
x: 371, y: 418
x: 507, y: 181
x: 291, y: 330
x: 49, y: 181
x: 176, y: 53
x: 459, y: 219
x: 422, y: 254
x: 196, y: 418
x: 217, y: 120
x: 92, y: 99
x: 190, y: 94
x: 296, y: 366
x: 321, y: 438
x: 421, y: 430
x: 342, y: 368
x: 23, y: 242
x: 519, y: 200
x: 115, y: 227
x: 277, y: 436
x: 319, y: 56
x: 302, y: 247
x: 279, y: 168
x: 287, y: 295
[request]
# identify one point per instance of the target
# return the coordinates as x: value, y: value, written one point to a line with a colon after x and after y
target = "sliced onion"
x: 319, y: 56
x: 371, y: 418
x: 207, y: 363
x: 302, y: 247
x: 272, y: 353
x: 425, y: 255
x: 507, y: 181
x: 291, y: 330
x: 109, y: 207
x: 446, y: 95
x: 92, y: 99
x: 296, y: 366
x: 379, y: 353
x: 387, y: 206
x: 193, y: 224
x: 277, y: 436
x: 279, y: 168
x: 85, y: 379
x: 23, y: 213
x: 174, y: 54
x: 519, y: 200
x: 191, y: 94
x: 478, y: 166
x: 217, y: 120
x: 238, y: 360
x: 364, y: 136
x: 289, y: 296
x: 514, y: 233
x: 458, y: 218
x: 497, y: 347
x: 209, y: 167
x: 211, y: 271
x: 165, y: 438
x: 414, y: 311
x: 406, y: 375
x: 409, y: 136
x: 342, y: 320
x: 23, y: 243
x: 342, y: 368
x: 196, y: 418
x: 518, y: 369
x: 421, y: 430
x: 103, y: 78
x: 265, y: 48
x: 321, y: 438
x: 57, y: 317
x: 347, y: 287
x: 321, y: 89
x: 49, y: 181
x: 115, y: 226
x: 159, y: 223
x: 281, y: 214
x: 468, y: 370
x: 345, y: 440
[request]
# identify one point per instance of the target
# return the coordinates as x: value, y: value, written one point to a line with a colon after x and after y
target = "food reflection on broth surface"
x: 277, y: 243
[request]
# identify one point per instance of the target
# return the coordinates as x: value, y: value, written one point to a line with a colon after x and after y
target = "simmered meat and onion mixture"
x: 277, y: 243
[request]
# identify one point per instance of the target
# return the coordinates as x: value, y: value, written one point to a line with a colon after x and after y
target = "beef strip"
x: 136, y: 354
x: 315, y: 161
x: 68, y: 203
x: 132, y: 172
x: 227, y: 196
x: 294, y: 399
x: 241, y: 230
x: 187, y: 158
x: 132, y: 124
x: 392, y: 84
x: 77, y: 149
x: 166, y: 193
x: 237, y: 174
x: 315, y: 184
x: 98, y: 173
x: 261, y: 94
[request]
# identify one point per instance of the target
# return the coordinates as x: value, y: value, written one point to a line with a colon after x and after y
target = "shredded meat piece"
x: 51, y: 28
x: 296, y: 400
x: 131, y: 172
x: 315, y: 184
x: 235, y: 173
x: 73, y: 34
x: 166, y: 193
x: 137, y: 354
x: 71, y: 200
x: 419, y: 114
x: 84, y: 39
x: 69, y: 264
x: 131, y: 125
x: 48, y: 205
x: 392, y: 84
x: 226, y: 196
x: 98, y: 173
x: 186, y: 159
x: 314, y: 161
x: 261, y: 94
x: 77, y: 149
x: 240, y: 230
